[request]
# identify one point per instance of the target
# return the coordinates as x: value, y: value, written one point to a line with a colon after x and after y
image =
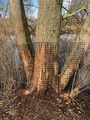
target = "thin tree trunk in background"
x: 24, y: 43
x: 82, y: 44
x: 47, y: 34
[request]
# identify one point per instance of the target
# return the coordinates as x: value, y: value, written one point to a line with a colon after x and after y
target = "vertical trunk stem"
x: 44, y: 72
x: 24, y: 43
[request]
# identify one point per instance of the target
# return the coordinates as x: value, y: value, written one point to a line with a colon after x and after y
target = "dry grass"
x: 81, y: 81
x: 11, y: 75
x: 11, y: 72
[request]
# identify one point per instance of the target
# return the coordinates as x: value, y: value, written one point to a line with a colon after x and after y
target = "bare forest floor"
x: 45, y: 106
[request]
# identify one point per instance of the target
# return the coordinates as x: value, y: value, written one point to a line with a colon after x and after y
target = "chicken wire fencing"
x: 11, y: 68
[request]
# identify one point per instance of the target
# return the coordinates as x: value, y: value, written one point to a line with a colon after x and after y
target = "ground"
x: 46, y: 106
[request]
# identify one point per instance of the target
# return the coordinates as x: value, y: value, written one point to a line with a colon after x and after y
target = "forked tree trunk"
x: 24, y: 43
x: 47, y: 34
x: 82, y: 44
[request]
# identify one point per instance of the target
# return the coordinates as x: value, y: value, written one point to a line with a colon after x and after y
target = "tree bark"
x: 7, y: 28
x: 24, y: 43
x: 47, y: 34
x: 77, y: 54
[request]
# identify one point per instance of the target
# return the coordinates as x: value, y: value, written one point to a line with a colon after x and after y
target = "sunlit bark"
x: 24, y: 42
x: 77, y: 54
x: 47, y: 34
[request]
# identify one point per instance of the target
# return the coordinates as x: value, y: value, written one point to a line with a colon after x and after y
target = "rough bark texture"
x: 47, y: 34
x: 24, y: 43
x: 7, y: 28
x: 82, y: 44
x: 45, y: 68
x: 48, y: 24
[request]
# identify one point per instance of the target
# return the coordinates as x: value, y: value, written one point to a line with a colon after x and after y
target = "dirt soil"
x: 46, y: 106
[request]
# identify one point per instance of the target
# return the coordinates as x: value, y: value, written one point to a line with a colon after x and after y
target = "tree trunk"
x: 47, y: 34
x: 77, y: 54
x: 24, y: 43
